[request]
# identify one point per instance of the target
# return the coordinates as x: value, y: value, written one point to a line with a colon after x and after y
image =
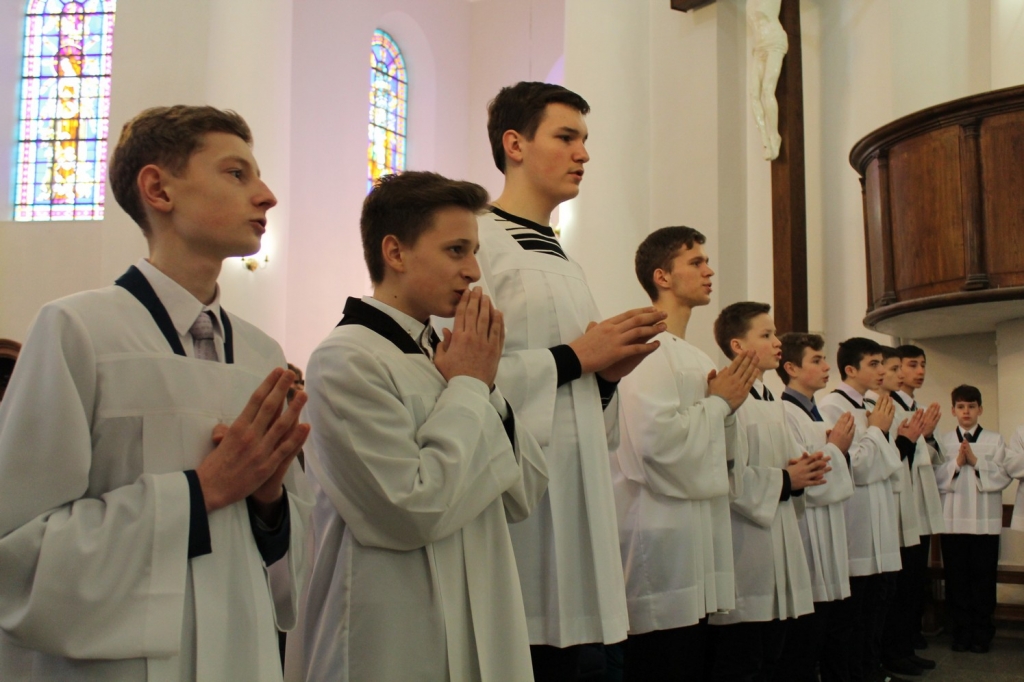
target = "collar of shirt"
x: 969, y: 432
x: 907, y: 398
x: 872, y: 396
x: 852, y: 392
x: 411, y: 325
x: 545, y: 230
x: 181, y: 305
x: 808, y: 403
x: 759, y: 386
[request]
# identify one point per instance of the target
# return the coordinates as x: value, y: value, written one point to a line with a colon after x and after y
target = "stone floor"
x: 1004, y: 663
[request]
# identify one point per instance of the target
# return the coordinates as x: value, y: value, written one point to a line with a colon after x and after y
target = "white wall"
x: 200, y: 53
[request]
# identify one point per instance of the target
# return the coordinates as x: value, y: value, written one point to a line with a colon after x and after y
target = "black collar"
x: 138, y: 286
x: 852, y: 401
x: 545, y: 230
x: 899, y: 401
x: 961, y: 436
x: 790, y: 399
x: 364, y: 314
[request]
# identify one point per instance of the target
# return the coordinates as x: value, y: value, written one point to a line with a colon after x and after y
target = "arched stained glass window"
x: 389, y: 88
x: 65, y: 104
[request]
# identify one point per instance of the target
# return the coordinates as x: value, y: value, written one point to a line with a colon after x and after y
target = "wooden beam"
x: 789, y: 206
x: 687, y: 5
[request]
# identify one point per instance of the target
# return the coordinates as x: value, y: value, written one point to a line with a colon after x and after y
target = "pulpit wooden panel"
x: 943, y: 194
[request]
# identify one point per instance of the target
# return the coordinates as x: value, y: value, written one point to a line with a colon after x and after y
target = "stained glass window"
x: 388, y: 100
x: 65, y: 102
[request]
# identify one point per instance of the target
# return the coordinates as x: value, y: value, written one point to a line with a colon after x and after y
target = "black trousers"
x: 816, y: 642
x: 748, y: 652
x: 676, y: 655
x: 552, y: 664
x: 869, y: 595
x: 970, y: 563
x: 903, y: 615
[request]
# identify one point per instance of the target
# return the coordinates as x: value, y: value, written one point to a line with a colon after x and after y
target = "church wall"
x: 1007, y: 36
x: 199, y: 53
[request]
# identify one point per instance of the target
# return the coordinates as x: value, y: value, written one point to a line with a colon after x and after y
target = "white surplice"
x: 871, y: 523
x: 99, y: 422
x: 672, y: 482
x: 922, y: 478
x: 905, y: 501
x: 568, y: 550
x: 823, y: 523
x: 972, y: 499
x: 773, y: 581
x: 1014, y: 466
x: 417, y: 480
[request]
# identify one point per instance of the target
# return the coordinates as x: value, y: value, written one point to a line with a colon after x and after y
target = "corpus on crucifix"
x: 770, y: 46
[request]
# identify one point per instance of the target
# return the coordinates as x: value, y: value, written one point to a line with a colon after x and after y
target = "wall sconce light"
x: 252, y: 264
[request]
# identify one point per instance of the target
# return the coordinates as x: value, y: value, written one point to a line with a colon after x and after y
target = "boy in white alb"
x: 971, y: 481
x: 672, y: 473
x: 913, y: 363
x: 906, y: 433
x: 871, y: 521
x: 140, y: 537
x: 818, y: 640
x: 774, y: 584
x: 559, y: 372
x: 420, y: 464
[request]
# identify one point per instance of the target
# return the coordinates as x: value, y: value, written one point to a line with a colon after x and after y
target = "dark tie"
x: 764, y: 395
x: 768, y: 395
x: 815, y: 415
x: 969, y: 437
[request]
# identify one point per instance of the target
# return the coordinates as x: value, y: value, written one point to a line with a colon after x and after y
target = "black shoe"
x: 920, y: 642
x: 979, y: 648
x: 923, y: 663
x: 902, y: 666
x: 886, y: 677
x: 960, y: 646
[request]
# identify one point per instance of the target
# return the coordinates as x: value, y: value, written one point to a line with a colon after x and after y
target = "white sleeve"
x: 1013, y: 461
x: 673, y: 449
x: 98, y: 577
x: 523, y: 495
x: 400, y: 485
x: 838, y: 484
x: 872, y: 457
x: 946, y: 472
x: 992, y: 474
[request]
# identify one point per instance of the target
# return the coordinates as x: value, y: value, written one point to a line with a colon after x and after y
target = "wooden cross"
x: 789, y: 209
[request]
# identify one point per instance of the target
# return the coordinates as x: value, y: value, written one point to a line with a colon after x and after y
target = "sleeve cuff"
x: 567, y: 364
x: 906, y: 448
x: 198, y: 522
x: 607, y: 390
x: 272, y: 540
x: 787, y: 487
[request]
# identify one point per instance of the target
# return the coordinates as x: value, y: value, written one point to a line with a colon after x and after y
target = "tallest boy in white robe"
x: 558, y: 372
x: 133, y: 545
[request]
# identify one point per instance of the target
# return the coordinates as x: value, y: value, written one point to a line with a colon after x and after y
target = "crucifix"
x: 789, y: 210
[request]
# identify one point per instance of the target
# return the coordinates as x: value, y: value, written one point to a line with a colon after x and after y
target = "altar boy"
x: 673, y: 469
x: 971, y: 480
x: 819, y: 640
x: 560, y: 370
x: 142, y: 538
x: 419, y: 462
x: 774, y: 583
x: 871, y: 522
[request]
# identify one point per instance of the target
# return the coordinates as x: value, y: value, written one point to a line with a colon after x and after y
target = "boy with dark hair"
x: 926, y: 492
x: 673, y: 469
x: 418, y: 461
x: 971, y: 480
x: 871, y: 521
x: 765, y: 533
x: 142, y: 538
x: 906, y: 433
x: 818, y: 640
x: 560, y: 370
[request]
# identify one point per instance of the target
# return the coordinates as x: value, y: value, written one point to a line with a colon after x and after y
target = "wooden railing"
x: 943, y: 192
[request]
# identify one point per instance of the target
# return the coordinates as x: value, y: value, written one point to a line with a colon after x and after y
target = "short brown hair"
x: 657, y: 251
x: 965, y: 393
x: 520, y: 107
x: 404, y: 206
x: 793, y: 345
x: 734, y: 321
x: 165, y: 136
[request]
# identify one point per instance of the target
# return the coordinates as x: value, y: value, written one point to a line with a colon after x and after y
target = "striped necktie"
x: 202, y: 337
